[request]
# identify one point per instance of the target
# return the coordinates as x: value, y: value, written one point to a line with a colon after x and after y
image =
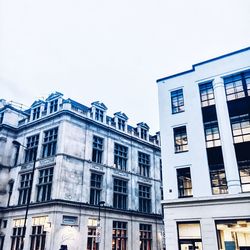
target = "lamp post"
x: 98, y: 228
x: 18, y: 144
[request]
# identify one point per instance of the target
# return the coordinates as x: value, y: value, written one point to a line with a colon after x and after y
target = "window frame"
x: 119, y: 235
x: 181, y: 133
x: 144, y: 163
x: 177, y: 101
x: 44, y: 186
x: 206, y: 94
x: 120, y: 156
x: 49, y: 146
x: 120, y: 193
x: 144, y: 195
x: 183, y: 182
x: 95, y: 188
x: 97, y: 149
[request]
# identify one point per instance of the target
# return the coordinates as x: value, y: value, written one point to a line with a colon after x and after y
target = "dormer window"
x: 121, y: 124
x: 36, y: 113
x: 53, y: 106
x: 99, y: 115
x: 143, y: 133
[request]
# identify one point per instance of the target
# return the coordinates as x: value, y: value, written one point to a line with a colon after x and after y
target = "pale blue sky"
x: 112, y: 50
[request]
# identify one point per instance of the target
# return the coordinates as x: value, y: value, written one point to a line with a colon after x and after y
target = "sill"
x: 184, y: 151
x: 187, y: 196
x: 174, y: 113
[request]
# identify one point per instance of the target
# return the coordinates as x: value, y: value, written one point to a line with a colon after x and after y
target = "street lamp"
x: 18, y: 144
x: 98, y: 228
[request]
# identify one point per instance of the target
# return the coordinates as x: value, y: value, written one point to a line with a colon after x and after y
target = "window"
x: 212, y: 134
x: 24, y: 190
x: 91, y: 241
x: 121, y: 124
x: 206, y: 94
x: 145, y: 237
x: 37, y: 238
x: 120, y: 194
x: 17, y: 234
x: 99, y: 115
x: 49, y: 142
x: 184, y: 182
x: 120, y: 156
x: 143, y: 134
x: 36, y: 113
x: 144, y: 199
x: 241, y: 128
x: 70, y: 220
x: 144, y: 164
x: 95, y: 188
x: 97, y: 149
x: 44, y: 184
x: 31, y: 148
x: 119, y: 237
x: 53, y: 106
x: 244, y: 170
x: 177, y: 101
x: 218, y: 179
x: 180, y: 139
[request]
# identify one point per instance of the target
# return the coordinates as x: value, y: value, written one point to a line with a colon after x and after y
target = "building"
x: 205, y: 142
x: 96, y: 182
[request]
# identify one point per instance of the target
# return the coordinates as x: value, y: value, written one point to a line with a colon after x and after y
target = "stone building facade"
x: 81, y: 158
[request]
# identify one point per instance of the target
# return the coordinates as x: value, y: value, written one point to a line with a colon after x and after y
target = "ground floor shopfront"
x: 220, y: 222
x: 66, y: 226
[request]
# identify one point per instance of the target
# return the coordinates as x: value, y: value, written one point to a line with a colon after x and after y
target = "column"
x: 229, y: 157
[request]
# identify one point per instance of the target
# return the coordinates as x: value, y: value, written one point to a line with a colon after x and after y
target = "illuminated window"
x: 145, y: 237
x: 119, y: 235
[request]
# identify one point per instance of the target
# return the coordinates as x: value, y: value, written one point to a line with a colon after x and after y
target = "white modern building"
x: 95, y: 180
x: 205, y: 142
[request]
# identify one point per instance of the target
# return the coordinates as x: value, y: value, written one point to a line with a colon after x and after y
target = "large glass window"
x: 144, y: 164
x: 97, y: 149
x: 24, y: 189
x: 180, y: 139
x: 37, y: 238
x: 184, y: 182
x: 17, y: 234
x: 145, y: 237
x: 31, y: 148
x: 120, y: 194
x: 177, y: 101
x: 44, y: 185
x: 120, y: 156
x: 144, y: 199
x: 119, y: 235
x: 206, y: 94
x: 244, y: 170
x: 233, y: 234
x: 95, y: 188
x: 241, y: 128
x: 212, y: 134
x: 49, y: 142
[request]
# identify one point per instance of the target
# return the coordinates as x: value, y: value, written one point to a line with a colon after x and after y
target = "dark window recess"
x: 49, y: 142
x: 37, y: 238
x: 36, y: 113
x: 212, y: 134
x: 91, y: 241
x: 24, y: 189
x: 177, y: 101
x: 242, y: 151
x: 119, y: 235
x: 121, y: 124
x: 218, y: 179
x: 244, y: 171
x: 120, y: 156
x: 184, y: 182
x: 214, y: 156
x: 97, y: 149
x: 144, y: 164
x: 120, y: 194
x: 144, y: 199
x: 143, y: 134
x: 44, y: 185
x: 53, y: 107
x: 95, y: 188
x: 209, y: 114
x: 241, y: 128
x: 31, y: 148
x: 145, y: 237
x: 206, y: 94
x: 99, y: 114
x: 180, y: 139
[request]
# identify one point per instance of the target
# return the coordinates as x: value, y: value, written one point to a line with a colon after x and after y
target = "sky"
x: 112, y: 51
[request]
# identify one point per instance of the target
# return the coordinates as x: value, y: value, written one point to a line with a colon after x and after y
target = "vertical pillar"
x: 229, y: 157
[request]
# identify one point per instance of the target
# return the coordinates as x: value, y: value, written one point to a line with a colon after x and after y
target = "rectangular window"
x: 234, y: 87
x: 144, y: 199
x: 31, y: 148
x: 97, y: 149
x: 121, y: 124
x: 24, y: 190
x: 37, y: 238
x: 180, y: 139
x: 36, y: 113
x: 95, y: 188
x: 244, y: 170
x: 119, y: 236
x: 44, y: 184
x: 212, y: 134
x: 120, y: 156
x: 99, y: 114
x: 120, y: 194
x: 53, y: 106
x: 143, y: 134
x: 177, y: 101
x: 145, y: 237
x: 184, y: 182
x: 49, y: 142
x: 241, y: 128
x: 91, y: 241
x: 206, y: 94
x: 218, y: 179
x: 144, y: 164
x: 16, y: 238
